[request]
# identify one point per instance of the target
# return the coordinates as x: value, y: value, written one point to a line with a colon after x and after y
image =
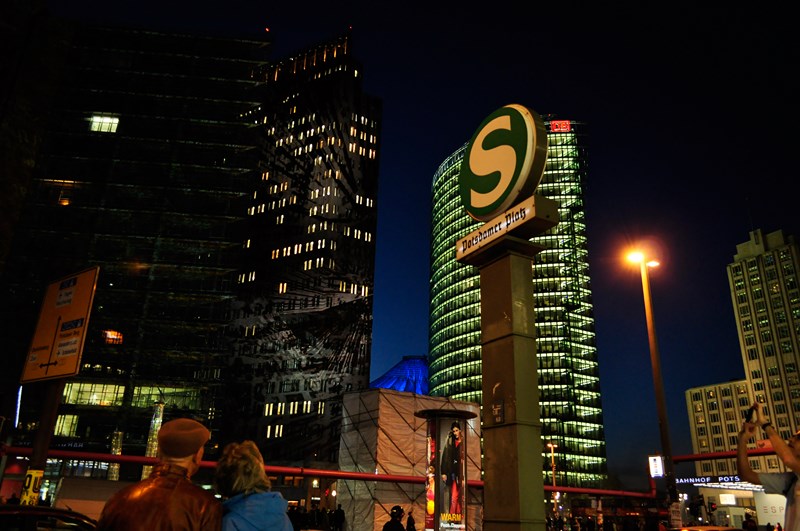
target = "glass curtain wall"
x: 569, y: 383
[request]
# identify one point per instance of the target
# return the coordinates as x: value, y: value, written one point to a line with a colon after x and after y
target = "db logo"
x: 504, y: 161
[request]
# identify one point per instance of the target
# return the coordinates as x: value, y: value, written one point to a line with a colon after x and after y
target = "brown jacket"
x: 166, y: 501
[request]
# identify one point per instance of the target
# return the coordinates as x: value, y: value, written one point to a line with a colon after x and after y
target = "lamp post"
x: 655, y: 361
x: 552, y: 447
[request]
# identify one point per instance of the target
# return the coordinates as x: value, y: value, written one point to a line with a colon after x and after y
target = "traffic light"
x: 712, y: 507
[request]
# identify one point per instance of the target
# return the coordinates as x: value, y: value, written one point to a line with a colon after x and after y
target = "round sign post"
x: 503, y: 164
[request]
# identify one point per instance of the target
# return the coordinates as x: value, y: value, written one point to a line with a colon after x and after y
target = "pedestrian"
x: 784, y: 483
x: 395, y: 522
x: 749, y: 524
x: 316, y: 518
x: 249, y: 503
x: 167, y: 499
x: 410, y: 524
x: 337, y: 519
x: 778, y: 527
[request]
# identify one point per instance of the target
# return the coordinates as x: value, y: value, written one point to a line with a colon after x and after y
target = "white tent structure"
x: 382, y: 435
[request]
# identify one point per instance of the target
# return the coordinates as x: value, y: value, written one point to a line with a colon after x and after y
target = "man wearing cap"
x: 395, y: 522
x: 167, y: 499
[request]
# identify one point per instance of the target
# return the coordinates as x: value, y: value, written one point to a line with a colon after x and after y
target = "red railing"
x: 303, y: 471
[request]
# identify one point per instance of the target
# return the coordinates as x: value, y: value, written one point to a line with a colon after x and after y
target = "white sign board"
x: 769, y: 507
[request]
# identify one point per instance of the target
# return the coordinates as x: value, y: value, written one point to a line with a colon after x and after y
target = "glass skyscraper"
x: 569, y: 383
x: 143, y: 161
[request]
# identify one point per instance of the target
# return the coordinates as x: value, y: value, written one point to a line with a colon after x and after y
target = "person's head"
x: 181, y: 441
x: 240, y: 470
x: 397, y: 512
x: 455, y: 429
x: 794, y: 444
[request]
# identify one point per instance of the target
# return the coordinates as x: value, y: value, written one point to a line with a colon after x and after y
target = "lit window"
x: 112, y: 337
x: 66, y: 426
x: 103, y: 123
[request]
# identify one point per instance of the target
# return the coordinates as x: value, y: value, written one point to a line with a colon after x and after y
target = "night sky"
x: 691, y: 113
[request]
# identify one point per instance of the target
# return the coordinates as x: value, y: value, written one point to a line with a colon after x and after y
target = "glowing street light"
x: 552, y: 447
x: 655, y: 361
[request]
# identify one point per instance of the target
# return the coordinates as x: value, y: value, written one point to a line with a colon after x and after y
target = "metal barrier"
x: 302, y: 471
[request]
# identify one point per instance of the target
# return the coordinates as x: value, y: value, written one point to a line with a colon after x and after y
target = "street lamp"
x: 552, y: 447
x: 655, y: 361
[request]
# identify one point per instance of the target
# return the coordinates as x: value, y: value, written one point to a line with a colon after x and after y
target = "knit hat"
x: 182, y: 437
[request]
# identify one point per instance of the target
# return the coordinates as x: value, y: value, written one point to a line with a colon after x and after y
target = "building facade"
x: 569, y: 383
x: 302, y: 320
x: 766, y: 302
x: 142, y: 169
x: 229, y: 202
x: 715, y: 416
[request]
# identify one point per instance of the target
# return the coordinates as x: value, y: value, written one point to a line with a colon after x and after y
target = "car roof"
x: 7, y: 510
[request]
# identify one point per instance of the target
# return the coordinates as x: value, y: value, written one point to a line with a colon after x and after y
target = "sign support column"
x: 503, y: 164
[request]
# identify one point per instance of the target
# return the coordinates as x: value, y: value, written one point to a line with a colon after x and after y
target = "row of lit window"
x: 561, y: 139
x: 103, y: 123
x: 353, y: 288
x: 363, y: 120
x: 362, y: 135
x: 362, y: 151
x: 361, y: 200
x: 358, y: 234
x: 310, y: 247
x: 279, y: 203
x: 301, y: 63
x: 321, y: 160
x: 323, y: 192
x: 294, y: 408
x: 246, y: 277
x: 251, y: 111
x: 299, y: 248
x: 320, y: 75
x: 275, y: 188
x: 316, y: 263
x: 95, y: 394
x: 308, y: 148
x: 327, y: 208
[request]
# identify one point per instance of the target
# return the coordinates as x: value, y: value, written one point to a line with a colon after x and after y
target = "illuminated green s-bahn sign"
x: 504, y: 161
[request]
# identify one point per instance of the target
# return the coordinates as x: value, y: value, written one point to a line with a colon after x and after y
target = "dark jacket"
x: 166, y: 501
x: 259, y: 511
x: 393, y: 524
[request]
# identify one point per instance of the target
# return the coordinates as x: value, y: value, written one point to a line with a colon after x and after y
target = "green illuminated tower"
x: 569, y: 383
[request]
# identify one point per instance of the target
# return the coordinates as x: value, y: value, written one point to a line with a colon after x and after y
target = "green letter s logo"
x: 504, y: 160
x: 483, y: 162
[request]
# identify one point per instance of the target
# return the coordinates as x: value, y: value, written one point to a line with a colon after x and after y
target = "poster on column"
x: 430, y: 479
x: 452, y: 466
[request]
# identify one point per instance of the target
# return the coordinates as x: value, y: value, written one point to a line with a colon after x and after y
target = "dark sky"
x: 691, y: 112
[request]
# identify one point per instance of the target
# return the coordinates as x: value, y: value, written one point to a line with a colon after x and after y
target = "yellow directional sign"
x: 60, y: 333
